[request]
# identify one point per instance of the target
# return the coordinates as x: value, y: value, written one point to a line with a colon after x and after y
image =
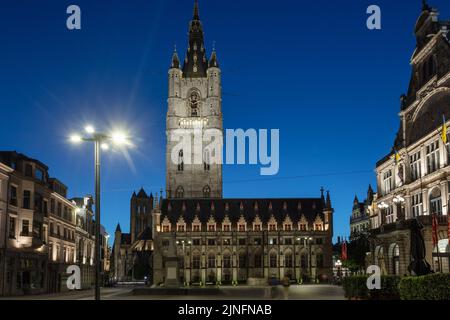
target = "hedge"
x: 355, y: 287
x: 430, y: 287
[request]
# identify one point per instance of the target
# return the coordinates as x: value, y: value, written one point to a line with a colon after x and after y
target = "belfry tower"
x: 194, y: 101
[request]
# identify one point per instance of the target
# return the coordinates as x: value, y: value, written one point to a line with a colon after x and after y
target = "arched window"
x: 436, y: 202
x: 273, y: 260
x: 206, y: 192
x: 180, y: 192
x: 242, y: 260
x: 196, y: 261
x: 258, y: 260
x: 396, y: 259
x: 206, y: 160
x: 304, y: 260
x: 288, y: 261
x: 211, y: 260
x: 180, y: 160
x: 227, y: 260
x: 319, y: 260
x: 194, y: 104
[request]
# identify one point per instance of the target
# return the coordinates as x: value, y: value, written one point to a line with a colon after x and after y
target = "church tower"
x: 194, y: 101
x: 141, y: 206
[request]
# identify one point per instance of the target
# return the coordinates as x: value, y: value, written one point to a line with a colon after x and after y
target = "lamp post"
x: 308, y: 240
x: 100, y: 142
x: 338, y: 265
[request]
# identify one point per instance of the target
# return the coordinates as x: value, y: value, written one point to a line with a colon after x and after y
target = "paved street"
x: 301, y: 292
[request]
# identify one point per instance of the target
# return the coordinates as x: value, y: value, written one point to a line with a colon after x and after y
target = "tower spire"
x: 425, y: 6
x: 196, y: 16
x: 195, y: 62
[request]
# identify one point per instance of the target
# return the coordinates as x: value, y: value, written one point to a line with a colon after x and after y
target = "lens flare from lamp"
x: 89, y: 129
x: 75, y: 138
x: 119, y: 138
x: 104, y: 146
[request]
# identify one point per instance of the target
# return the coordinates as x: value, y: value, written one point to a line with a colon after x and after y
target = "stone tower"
x: 141, y: 206
x: 194, y: 103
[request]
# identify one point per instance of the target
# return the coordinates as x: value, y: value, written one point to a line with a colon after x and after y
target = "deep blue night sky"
x: 310, y: 68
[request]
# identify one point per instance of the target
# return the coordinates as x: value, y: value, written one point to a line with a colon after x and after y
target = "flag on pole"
x: 344, y: 250
x: 397, y: 156
x: 444, y: 131
x: 434, y: 225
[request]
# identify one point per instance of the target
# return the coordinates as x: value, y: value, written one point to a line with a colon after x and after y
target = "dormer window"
x: 272, y: 227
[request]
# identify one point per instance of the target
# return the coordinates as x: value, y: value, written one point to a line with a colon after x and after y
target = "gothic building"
x: 194, y: 103
x: 194, y: 235
x: 414, y: 179
x: 359, y: 220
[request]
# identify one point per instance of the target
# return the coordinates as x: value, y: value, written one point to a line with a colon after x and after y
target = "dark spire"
x: 118, y: 228
x: 356, y: 200
x: 328, y: 203
x: 213, y: 62
x: 425, y: 6
x: 175, y: 60
x: 370, y: 195
x: 142, y: 194
x: 196, y: 16
x: 195, y: 62
x: 322, y: 197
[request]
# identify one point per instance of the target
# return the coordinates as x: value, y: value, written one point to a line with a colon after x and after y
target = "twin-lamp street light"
x: 100, y: 141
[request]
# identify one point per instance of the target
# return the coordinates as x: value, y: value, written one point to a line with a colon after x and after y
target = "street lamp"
x: 100, y: 141
x: 338, y: 265
x: 309, y: 240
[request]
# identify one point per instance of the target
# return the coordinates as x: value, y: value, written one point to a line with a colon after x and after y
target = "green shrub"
x: 355, y: 287
x: 430, y: 287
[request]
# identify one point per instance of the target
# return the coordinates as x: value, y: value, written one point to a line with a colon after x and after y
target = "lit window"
x: 433, y: 161
x: 387, y: 178
x: 415, y: 166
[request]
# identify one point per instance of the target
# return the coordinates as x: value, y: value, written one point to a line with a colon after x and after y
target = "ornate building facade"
x: 244, y: 240
x: 194, y: 236
x: 42, y: 232
x: 360, y: 218
x: 414, y: 179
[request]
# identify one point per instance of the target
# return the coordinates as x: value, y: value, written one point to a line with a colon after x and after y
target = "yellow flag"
x: 444, y: 132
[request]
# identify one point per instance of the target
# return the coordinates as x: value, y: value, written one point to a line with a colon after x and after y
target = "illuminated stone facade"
x: 415, y: 184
